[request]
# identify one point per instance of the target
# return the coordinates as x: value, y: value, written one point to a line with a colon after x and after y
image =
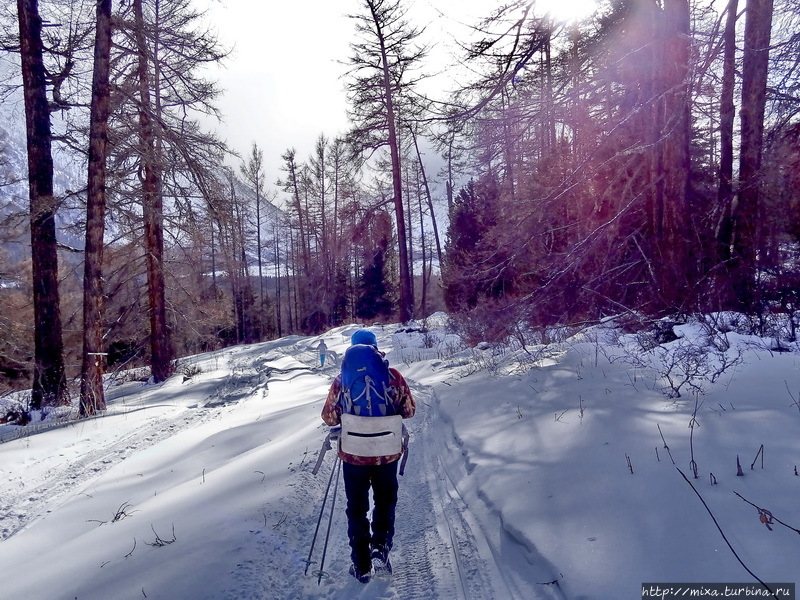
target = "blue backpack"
x: 366, y: 387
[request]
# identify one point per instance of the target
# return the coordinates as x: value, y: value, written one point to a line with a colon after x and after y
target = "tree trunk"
x: 748, y: 211
x: 429, y: 201
x: 677, y: 265
x: 727, y: 114
x: 92, y: 396
x: 409, y: 212
x: 278, y: 295
x: 253, y: 172
x: 549, y: 121
x: 293, y: 187
x: 406, y: 296
x: 260, y: 260
x: 49, y: 379
x: 423, y: 301
x: 152, y: 207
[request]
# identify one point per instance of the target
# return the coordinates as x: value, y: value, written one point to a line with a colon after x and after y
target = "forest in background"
x: 643, y: 161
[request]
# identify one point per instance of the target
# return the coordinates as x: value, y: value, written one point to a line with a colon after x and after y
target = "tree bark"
x: 677, y: 265
x: 152, y: 207
x: 92, y: 397
x: 727, y: 115
x: 748, y: 211
x: 49, y: 379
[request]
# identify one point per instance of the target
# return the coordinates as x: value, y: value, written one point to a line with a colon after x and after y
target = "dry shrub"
x: 488, y: 322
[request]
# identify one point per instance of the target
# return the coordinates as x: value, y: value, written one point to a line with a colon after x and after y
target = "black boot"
x: 361, y: 575
x: 380, y: 558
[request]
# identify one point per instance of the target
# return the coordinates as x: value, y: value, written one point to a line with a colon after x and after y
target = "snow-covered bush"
x: 680, y: 361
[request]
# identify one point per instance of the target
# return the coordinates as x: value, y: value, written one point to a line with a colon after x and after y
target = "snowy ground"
x: 532, y: 475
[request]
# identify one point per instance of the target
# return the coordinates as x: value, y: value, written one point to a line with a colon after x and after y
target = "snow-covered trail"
x: 48, y: 481
x: 237, y: 445
x: 447, y: 542
x: 486, y: 567
x: 139, y: 417
x: 426, y: 566
x: 516, y: 486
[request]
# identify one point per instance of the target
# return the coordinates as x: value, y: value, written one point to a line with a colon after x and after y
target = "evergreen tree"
x: 472, y: 219
x: 374, y: 299
x: 92, y: 395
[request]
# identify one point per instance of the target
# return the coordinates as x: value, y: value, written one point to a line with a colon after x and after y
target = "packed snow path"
x: 446, y: 543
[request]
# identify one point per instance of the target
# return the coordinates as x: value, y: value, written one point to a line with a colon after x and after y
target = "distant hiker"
x: 370, y: 409
x: 323, y: 351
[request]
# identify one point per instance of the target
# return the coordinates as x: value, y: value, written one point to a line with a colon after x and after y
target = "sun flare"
x: 565, y: 11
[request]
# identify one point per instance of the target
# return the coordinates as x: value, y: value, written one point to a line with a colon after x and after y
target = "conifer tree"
x: 382, y: 61
x: 49, y: 378
x: 92, y: 395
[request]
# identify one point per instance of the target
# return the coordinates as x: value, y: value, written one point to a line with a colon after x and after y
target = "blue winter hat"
x: 362, y: 336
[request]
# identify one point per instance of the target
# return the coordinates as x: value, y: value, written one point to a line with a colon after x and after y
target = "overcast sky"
x: 284, y: 82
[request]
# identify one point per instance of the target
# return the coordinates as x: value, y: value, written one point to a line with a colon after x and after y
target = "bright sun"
x: 565, y: 10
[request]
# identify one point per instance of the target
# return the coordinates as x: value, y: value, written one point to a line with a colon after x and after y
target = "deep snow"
x: 533, y: 473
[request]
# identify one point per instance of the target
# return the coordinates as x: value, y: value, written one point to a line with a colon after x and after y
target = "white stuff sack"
x: 372, y: 436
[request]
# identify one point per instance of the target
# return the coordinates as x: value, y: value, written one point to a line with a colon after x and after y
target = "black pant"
x: 357, y: 481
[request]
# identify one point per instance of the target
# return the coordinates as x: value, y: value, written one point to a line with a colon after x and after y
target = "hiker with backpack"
x: 370, y: 400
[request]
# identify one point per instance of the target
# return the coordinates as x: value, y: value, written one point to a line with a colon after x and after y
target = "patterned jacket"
x: 403, y: 403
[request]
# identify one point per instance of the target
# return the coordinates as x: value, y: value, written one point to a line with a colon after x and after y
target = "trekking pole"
x: 405, y: 451
x: 330, y: 520
x: 326, y: 445
x: 319, y: 520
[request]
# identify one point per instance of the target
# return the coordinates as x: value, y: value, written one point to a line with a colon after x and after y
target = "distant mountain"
x: 68, y: 174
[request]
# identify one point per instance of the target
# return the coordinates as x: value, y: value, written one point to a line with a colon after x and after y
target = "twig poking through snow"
x: 665, y: 443
x: 722, y: 533
x: 121, y: 513
x: 795, y: 401
x: 761, y: 452
x: 158, y: 543
x: 766, y: 516
x: 692, y: 424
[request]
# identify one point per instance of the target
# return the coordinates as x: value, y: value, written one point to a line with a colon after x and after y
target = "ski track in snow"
x: 26, y: 499
x: 477, y: 530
